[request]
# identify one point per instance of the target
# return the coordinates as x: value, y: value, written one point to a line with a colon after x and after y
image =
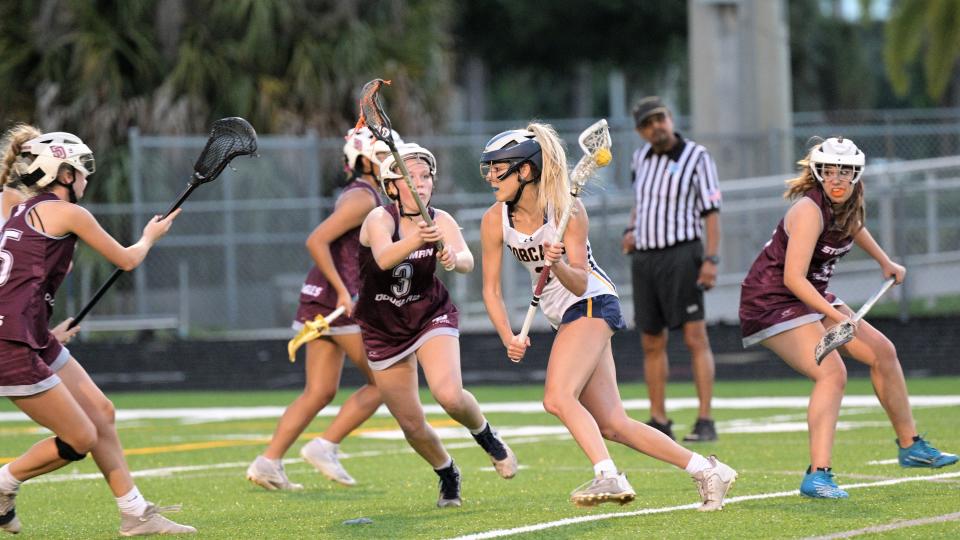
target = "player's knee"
x: 886, y: 352
x: 106, y: 413
x: 835, y: 374
x: 79, y: 449
x: 413, y: 427
x: 318, y: 397
x: 450, y: 399
x: 555, y: 403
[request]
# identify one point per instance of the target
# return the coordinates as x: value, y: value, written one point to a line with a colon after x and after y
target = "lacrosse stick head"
x: 372, y: 114
x: 595, y: 142
x: 229, y: 138
x: 836, y: 337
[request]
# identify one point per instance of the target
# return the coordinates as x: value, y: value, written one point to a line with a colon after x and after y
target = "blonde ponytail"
x: 554, y: 188
x: 12, y: 142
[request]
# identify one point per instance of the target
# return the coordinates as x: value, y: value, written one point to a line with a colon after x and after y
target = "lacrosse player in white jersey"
x: 527, y: 170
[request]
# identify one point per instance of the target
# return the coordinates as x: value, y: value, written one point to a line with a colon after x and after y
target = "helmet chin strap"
x: 70, y: 191
x: 523, y: 184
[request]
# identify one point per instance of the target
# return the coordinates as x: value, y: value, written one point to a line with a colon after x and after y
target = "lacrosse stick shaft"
x: 545, y: 272
x: 118, y: 272
x: 872, y: 300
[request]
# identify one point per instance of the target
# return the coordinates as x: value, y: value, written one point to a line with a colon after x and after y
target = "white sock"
x: 7, y: 481
x: 133, y: 503
x: 479, y: 431
x: 446, y: 464
x: 327, y: 445
x: 605, y: 468
x: 275, y: 462
x: 697, y: 463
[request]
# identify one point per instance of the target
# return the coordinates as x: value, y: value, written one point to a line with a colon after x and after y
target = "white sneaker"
x: 151, y: 522
x: 508, y: 466
x: 713, y: 484
x: 8, y: 516
x: 264, y: 473
x: 327, y: 462
x: 603, y: 489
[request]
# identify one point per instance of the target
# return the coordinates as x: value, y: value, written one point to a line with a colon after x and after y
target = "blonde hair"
x: 554, y: 188
x: 12, y: 164
x: 849, y: 217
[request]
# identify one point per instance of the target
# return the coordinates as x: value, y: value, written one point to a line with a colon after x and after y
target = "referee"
x: 677, y: 204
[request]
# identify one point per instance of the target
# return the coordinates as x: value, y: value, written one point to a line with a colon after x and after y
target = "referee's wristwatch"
x: 715, y: 259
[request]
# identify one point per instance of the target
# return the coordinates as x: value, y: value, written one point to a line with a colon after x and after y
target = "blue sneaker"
x: 819, y: 484
x: 921, y: 454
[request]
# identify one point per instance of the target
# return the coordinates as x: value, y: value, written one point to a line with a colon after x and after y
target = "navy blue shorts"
x: 604, y: 306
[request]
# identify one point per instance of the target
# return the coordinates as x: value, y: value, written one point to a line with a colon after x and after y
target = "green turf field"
x: 201, y: 462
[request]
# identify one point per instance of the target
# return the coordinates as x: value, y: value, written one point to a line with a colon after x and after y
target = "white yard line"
x: 219, y: 414
x: 499, y: 533
x: 890, y: 526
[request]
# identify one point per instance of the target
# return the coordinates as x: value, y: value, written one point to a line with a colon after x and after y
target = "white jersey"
x: 528, y: 249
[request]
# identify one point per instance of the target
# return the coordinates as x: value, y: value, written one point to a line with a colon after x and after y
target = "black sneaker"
x: 704, y: 430
x: 666, y: 429
x: 449, y: 486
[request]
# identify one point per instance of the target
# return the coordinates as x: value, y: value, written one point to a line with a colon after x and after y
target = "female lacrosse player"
x: 785, y: 306
x: 50, y: 173
x: 331, y: 283
x: 406, y: 317
x: 527, y: 169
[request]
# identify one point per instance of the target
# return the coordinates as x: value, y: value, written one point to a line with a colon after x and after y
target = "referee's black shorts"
x: 665, y: 291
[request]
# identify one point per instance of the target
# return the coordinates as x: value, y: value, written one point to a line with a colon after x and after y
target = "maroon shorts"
x: 308, y: 311
x: 25, y: 371
x: 758, y: 323
x: 384, y: 350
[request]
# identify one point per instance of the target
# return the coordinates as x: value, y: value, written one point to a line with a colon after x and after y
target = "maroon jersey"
x: 765, y: 301
x: 316, y: 295
x: 32, y: 266
x: 399, y: 308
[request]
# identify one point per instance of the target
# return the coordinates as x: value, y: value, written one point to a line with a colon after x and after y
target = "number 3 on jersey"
x: 6, y: 258
x: 404, y: 272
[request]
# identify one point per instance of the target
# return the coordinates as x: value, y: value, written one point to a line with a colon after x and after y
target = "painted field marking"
x: 892, y: 526
x: 499, y: 533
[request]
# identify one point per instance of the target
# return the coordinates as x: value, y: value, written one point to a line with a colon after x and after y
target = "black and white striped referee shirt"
x: 673, y: 192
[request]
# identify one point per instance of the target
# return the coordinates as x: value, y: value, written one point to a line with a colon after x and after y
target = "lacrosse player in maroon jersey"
x: 332, y: 282
x: 49, y: 173
x: 785, y: 306
x: 407, y: 318
x: 527, y: 169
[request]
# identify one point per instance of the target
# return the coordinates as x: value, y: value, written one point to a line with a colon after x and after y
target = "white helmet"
x: 362, y: 143
x: 389, y: 170
x: 839, y: 152
x: 53, y: 150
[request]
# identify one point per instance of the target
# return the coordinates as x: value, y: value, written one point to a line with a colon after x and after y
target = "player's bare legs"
x: 572, y: 363
x: 440, y: 358
x: 872, y: 348
x: 363, y: 403
x: 601, y: 397
x: 398, y: 387
x: 56, y: 410
x: 796, y: 348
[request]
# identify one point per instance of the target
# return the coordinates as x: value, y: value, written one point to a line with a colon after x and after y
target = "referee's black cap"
x: 648, y: 107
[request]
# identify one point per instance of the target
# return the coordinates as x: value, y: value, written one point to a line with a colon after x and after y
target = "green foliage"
x: 930, y: 26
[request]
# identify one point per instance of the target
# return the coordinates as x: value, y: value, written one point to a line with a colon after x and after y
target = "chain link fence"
x: 234, y: 262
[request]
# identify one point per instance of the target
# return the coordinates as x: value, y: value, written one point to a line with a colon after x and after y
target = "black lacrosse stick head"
x: 372, y: 114
x: 229, y: 138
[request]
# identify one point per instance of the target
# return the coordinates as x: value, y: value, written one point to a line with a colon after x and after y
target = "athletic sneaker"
x: 666, y: 429
x: 265, y: 474
x: 819, y: 484
x: 151, y: 522
x: 703, y: 431
x: 327, y: 461
x: 713, y: 484
x: 502, y: 457
x: 449, y: 486
x: 603, y: 489
x: 8, y: 516
x: 921, y: 454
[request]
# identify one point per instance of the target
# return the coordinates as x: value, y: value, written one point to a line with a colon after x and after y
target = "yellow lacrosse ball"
x: 603, y: 157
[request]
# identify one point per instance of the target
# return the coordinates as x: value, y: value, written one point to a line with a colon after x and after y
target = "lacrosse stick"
x: 311, y: 330
x: 373, y: 116
x: 595, y: 142
x: 841, y: 334
x: 229, y: 138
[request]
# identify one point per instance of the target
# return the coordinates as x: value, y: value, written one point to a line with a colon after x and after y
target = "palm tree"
x: 934, y: 26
